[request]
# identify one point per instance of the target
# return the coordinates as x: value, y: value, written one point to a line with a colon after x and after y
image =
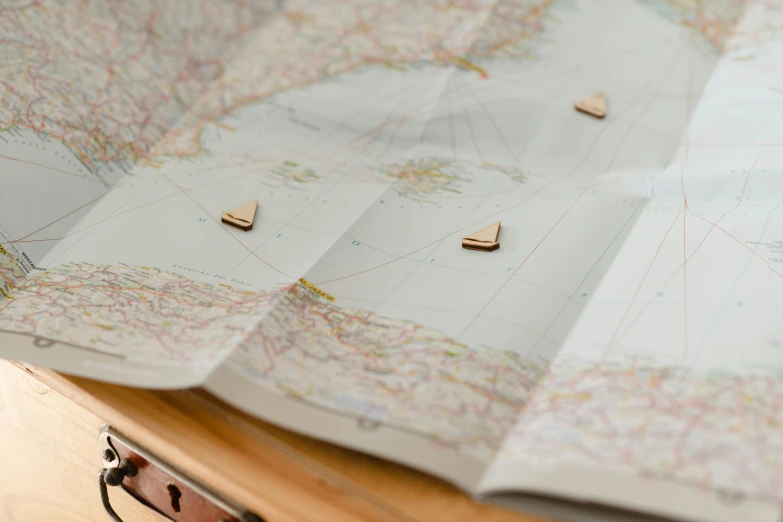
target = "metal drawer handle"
x: 124, y: 459
x: 113, y: 477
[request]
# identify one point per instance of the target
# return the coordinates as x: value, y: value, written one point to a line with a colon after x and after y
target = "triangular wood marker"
x: 485, y: 239
x: 595, y: 105
x: 241, y: 217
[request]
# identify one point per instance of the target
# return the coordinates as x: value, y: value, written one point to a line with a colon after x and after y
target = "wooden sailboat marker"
x: 595, y: 105
x: 241, y: 217
x: 485, y: 239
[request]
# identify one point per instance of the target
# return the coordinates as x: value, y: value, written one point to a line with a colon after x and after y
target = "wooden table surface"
x: 278, y: 474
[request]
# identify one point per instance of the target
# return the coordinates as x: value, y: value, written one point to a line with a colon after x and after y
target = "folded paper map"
x: 621, y: 353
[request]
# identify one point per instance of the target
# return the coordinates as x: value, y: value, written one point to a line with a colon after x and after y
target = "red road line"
x: 223, y: 228
x: 466, y: 117
x: 613, y: 339
x: 674, y: 274
x: 56, y: 220
x: 50, y: 168
x: 472, y: 92
x: 467, y: 327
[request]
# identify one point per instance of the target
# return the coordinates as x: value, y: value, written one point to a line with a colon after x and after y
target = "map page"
x: 671, y: 379
x: 374, y: 136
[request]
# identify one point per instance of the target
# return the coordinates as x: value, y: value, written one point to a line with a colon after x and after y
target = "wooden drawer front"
x: 49, y: 427
x: 50, y: 459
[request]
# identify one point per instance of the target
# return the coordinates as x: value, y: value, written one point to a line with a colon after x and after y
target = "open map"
x: 638, y: 253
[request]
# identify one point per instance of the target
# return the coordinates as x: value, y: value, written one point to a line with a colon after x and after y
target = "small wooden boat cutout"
x: 595, y: 105
x: 241, y: 217
x: 485, y: 240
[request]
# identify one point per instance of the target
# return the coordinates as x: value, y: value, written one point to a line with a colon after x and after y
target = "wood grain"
x: 280, y: 475
x: 50, y: 458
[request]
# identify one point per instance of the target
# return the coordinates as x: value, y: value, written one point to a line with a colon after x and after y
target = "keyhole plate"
x: 165, y: 489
